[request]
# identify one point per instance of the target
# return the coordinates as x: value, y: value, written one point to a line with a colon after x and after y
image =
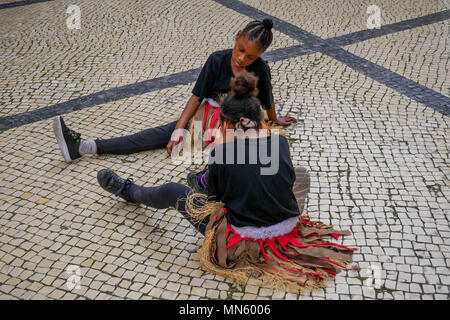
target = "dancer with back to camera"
x: 252, y: 223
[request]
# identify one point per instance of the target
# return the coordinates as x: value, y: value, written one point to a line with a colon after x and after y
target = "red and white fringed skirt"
x: 207, y: 116
x: 300, y: 258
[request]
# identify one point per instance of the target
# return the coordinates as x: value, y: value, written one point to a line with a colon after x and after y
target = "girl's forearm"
x: 271, y: 113
x: 188, y: 112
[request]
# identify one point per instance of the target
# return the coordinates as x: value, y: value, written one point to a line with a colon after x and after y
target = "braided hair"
x: 260, y: 31
x: 241, y: 107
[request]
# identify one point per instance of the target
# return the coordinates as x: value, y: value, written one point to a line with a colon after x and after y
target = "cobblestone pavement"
x: 377, y: 149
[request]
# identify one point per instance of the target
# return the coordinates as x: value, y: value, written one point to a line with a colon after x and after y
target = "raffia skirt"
x: 301, y: 259
x: 208, y: 117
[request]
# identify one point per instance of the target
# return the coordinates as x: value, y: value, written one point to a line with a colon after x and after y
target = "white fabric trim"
x: 269, y: 232
x: 212, y: 102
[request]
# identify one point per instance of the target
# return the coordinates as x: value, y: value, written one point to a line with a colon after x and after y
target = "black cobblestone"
x: 367, y: 34
x: 98, y: 98
x: 20, y: 3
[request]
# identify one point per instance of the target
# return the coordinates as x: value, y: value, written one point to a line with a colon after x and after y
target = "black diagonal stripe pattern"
x: 329, y: 46
x: 98, y: 98
x: 368, y: 34
x: 20, y: 3
x: 407, y: 87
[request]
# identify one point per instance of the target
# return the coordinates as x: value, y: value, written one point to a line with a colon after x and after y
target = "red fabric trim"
x: 312, y: 273
x: 284, y: 240
x: 261, y: 244
x: 307, y: 222
x: 326, y: 244
x: 228, y: 231
x: 329, y: 271
x: 333, y: 262
x: 335, y: 235
x: 271, y: 244
x: 234, y: 239
x: 293, y: 241
x: 207, y: 108
x: 213, y: 121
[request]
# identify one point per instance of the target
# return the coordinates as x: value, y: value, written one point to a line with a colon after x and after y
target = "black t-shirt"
x: 214, y: 79
x: 250, y: 197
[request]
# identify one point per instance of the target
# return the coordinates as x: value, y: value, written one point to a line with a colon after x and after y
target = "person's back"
x: 254, y: 177
x: 251, y: 222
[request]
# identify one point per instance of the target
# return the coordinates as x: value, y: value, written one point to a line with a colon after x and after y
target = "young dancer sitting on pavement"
x: 252, y: 222
x: 211, y: 86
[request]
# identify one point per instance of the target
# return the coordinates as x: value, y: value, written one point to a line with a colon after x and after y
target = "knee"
x: 177, y: 189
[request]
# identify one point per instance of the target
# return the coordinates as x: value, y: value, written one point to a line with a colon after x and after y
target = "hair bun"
x: 244, y: 85
x: 267, y: 23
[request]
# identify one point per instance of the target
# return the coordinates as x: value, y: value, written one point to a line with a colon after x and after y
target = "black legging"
x: 167, y: 195
x: 148, y: 139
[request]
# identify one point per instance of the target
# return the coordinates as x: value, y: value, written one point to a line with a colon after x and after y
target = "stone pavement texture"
x: 373, y: 130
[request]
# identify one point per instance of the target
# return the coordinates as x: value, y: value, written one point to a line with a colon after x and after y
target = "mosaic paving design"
x: 373, y: 130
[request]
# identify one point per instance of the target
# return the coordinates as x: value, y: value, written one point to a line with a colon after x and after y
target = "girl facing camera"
x: 211, y: 86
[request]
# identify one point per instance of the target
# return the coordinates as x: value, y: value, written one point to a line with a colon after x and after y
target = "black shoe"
x: 111, y: 182
x: 68, y: 140
x: 192, y: 181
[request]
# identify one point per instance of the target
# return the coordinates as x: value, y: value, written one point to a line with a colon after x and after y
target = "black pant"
x: 165, y: 196
x: 148, y: 139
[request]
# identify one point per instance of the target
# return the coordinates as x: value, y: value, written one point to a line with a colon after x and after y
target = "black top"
x: 251, y: 197
x: 214, y: 79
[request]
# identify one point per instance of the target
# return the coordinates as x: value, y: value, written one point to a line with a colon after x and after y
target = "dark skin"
x: 245, y: 52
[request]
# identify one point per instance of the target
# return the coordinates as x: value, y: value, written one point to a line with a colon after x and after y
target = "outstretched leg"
x: 73, y: 147
x: 160, y: 197
x: 198, y: 181
x: 148, y: 139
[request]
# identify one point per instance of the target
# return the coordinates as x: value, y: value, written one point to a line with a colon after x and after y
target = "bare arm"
x: 281, y: 120
x: 186, y: 115
x: 188, y: 112
x: 272, y: 114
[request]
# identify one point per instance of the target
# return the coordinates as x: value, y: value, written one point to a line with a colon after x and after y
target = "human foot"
x: 68, y: 140
x: 196, y: 180
x: 111, y: 182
